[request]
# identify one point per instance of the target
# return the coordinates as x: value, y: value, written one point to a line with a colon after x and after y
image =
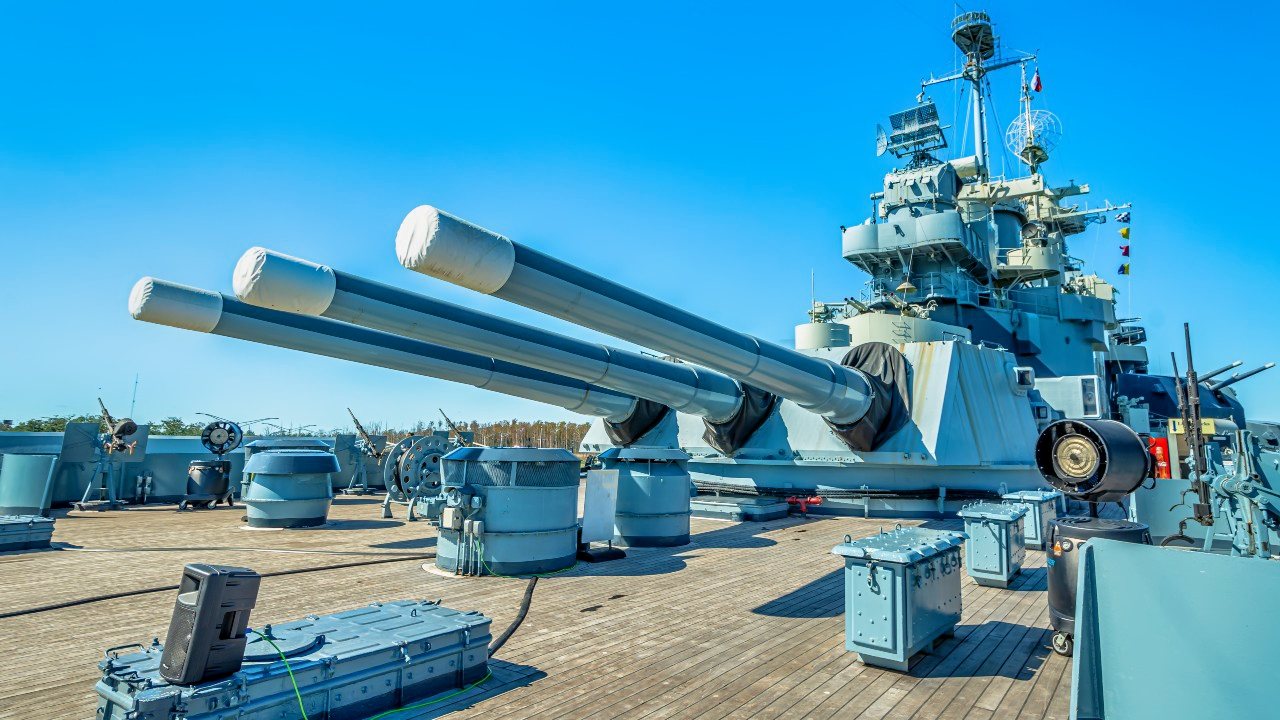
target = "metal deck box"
x: 1042, y: 506
x: 996, y: 547
x: 25, y: 532
x: 349, y: 665
x: 901, y: 593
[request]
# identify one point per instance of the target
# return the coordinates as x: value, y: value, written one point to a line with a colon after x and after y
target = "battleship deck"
x: 744, y: 622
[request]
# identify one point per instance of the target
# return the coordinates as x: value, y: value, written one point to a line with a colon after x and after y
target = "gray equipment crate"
x: 901, y: 593
x: 348, y: 665
x: 996, y: 547
x: 25, y: 532
x: 1042, y: 506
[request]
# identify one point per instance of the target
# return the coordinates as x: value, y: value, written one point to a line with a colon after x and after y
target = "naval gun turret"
x: 270, y: 279
x: 843, y: 423
x: 441, y: 245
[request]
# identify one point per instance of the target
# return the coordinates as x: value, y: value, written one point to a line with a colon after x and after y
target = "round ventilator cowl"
x: 274, y: 280
x: 181, y: 306
x: 438, y: 244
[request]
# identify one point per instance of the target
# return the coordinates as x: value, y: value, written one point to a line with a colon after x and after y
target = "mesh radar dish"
x: 1033, y: 135
x: 882, y: 141
x: 915, y: 131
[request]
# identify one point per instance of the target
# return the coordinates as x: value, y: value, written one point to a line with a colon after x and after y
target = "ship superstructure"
x: 954, y: 244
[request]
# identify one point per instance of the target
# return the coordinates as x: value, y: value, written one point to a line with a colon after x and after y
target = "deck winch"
x: 411, y: 471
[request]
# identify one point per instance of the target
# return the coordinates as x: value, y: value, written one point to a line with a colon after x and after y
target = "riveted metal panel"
x: 902, y: 593
x: 351, y: 664
x: 997, y: 544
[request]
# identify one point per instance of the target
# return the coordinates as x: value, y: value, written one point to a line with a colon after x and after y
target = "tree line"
x: 499, y: 433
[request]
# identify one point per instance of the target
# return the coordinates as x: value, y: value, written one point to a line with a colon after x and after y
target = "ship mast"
x: 974, y: 35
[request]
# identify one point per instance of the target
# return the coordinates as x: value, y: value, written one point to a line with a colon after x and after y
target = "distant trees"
x: 57, y: 423
x: 529, y: 433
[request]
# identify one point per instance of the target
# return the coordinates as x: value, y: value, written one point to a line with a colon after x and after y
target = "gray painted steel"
x: 25, y: 532
x: 653, y: 496
x: 186, y: 307
x: 996, y: 547
x: 1042, y: 510
x: 348, y: 665
x: 901, y: 593
x: 520, y: 510
x: 165, y: 464
x: 277, y: 443
x: 26, y: 484
x: 289, y: 488
x: 269, y: 279
x: 1069, y: 536
x: 438, y: 244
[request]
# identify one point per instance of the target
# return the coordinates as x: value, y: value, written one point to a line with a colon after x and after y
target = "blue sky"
x: 705, y: 153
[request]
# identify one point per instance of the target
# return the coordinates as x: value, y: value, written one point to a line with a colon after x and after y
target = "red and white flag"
x: 1035, y: 81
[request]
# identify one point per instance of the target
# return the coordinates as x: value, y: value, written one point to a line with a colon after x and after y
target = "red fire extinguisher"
x: 1159, y: 449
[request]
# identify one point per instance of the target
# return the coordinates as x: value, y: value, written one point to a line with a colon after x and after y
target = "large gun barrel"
x: 436, y: 243
x: 1238, y: 377
x: 1215, y: 373
x: 180, y: 306
x: 270, y: 279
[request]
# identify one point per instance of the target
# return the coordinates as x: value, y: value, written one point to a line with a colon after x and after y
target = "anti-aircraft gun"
x: 1232, y: 476
x: 114, y: 443
x: 363, y: 447
x: 464, y: 438
x: 1106, y: 461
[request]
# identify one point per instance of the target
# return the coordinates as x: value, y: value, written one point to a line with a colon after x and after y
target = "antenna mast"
x: 974, y: 36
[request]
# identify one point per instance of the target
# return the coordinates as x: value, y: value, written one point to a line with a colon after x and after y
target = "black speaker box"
x: 206, y: 637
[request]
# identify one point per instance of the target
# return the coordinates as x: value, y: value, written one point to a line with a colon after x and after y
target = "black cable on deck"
x: 170, y: 588
x: 501, y: 640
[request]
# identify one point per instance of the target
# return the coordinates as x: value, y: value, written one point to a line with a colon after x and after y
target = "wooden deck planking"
x: 745, y: 622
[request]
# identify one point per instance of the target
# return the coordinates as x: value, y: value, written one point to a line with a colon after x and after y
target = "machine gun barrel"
x: 167, y: 303
x: 1214, y: 373
x: 436, y: 243
x: 270, y: 279
x: 1238, y: 377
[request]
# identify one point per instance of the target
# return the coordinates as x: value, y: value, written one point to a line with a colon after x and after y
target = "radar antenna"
x: 1034, y: 133
x: 974, y: 35
x: 915, y: 132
